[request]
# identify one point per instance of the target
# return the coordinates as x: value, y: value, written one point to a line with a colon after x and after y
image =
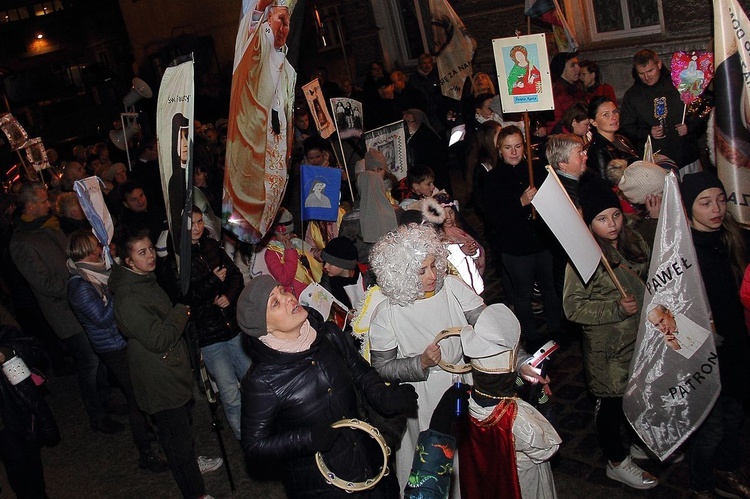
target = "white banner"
x: 674, y: 375
x: 562, y: 218
x: 391, y: 141
x: 175, y: 132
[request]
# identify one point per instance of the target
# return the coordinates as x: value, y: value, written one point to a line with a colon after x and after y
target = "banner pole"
x: 342, y: 163
x: 611, y: 273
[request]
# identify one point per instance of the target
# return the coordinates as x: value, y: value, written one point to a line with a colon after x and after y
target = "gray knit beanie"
x: 252, y: 305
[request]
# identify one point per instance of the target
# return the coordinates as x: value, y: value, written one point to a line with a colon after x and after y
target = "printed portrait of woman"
x: 177, y: 185
x: 523, y: 78
x: 316, y: 197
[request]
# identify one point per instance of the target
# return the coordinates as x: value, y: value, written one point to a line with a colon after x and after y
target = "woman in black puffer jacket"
x: 215, y: 285
x: 302, y: 380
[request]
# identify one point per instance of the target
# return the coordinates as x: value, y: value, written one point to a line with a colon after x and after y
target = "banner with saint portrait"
x: 320, y: 187
x: 524, y: 81
x: 391, y: 141
x: 674, y: 374
x: 259, y: 132
x: 175, y: 131
x: 317, y: 104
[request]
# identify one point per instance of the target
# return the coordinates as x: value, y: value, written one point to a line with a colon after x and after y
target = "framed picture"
x: 524, y: 80
x: 391, y: 141
x: 319, y: 111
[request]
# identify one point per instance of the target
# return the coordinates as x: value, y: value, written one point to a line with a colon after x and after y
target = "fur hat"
x: 341, y: 252
x: 695, y: 183
x: 252, y: 305
x: 595, y: 197
x: 641, y: 179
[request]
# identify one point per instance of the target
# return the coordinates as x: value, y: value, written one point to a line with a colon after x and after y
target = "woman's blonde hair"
x: 81, y: 244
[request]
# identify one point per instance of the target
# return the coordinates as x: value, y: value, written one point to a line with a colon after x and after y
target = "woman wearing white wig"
x: 421, y: 300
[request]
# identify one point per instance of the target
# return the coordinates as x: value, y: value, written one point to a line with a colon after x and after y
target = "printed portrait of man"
x: 680, y: 333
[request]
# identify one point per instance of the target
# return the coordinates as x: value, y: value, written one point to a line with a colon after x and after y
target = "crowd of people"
x: 405, y: 264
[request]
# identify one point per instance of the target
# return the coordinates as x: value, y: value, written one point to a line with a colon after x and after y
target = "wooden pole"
x: 529, y: 162
x: 342, y: 162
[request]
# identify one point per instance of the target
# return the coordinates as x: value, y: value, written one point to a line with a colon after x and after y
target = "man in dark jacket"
x: 652, y: 107
x: 38, y: 250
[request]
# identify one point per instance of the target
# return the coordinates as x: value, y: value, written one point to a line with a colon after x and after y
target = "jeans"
x: 227, y: 363
x: 117, y: 364
x: 175, y: 434
x: 524, y: 271
x: 716, y: 443
x: 92, y: 376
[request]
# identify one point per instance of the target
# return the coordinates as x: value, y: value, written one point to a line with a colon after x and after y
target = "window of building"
x: 10, y: 15
x: 44, y: 8
x: 402, y: 30
x: 610, y: 19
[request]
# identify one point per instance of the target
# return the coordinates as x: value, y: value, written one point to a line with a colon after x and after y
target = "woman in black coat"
x: 305, y: 375
x: 607, y: 145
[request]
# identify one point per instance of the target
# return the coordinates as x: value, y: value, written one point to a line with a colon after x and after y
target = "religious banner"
x: 731, y: 117
x: 320, y: 187
x: 523, y: 73
x: 563, y: 219
x: 317, y: 104
x: 348, y: 113
x: 391, y: 141
x: 674, y: 374
x: 452, y: 48
x: 91, y: 199
x: 175, y: 132
x: 259, y: 133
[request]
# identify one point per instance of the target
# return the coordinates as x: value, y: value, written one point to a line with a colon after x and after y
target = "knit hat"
x: 695, y: 183
x: 492, y: 344
x: 641, y: 179
x: 374, y: 159
x: 557, y: 64
x: 595, y: 197
x: 383, y: 82
x: 252, y: 305
x: 341, y: 252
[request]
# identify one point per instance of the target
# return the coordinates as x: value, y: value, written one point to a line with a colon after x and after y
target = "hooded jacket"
x: 157, y: 353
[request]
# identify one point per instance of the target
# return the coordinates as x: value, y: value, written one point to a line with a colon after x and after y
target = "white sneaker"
x: 631, y: 474
x: 638, y: 452
x: 206, y: 464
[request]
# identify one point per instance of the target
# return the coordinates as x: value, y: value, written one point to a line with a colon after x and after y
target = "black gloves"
x: 445, y: 412
x: 399, y: 399
x: 323, y: 437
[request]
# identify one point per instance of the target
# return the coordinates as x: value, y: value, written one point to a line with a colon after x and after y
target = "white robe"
x: 536, y: 442
x: 410, y: 329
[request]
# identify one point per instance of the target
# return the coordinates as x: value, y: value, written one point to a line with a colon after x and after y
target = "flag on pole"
x: 259, y: 133
x: 452, y: 47
x: 563, y: 219
x: 549, y: 11
x: 731, y: 116
x: 89, y: 192
x: 175, y: 131
x: 674, y: 374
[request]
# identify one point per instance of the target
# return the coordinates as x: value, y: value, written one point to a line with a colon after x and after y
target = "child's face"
x: 424, y: 188
x: 303, y: 122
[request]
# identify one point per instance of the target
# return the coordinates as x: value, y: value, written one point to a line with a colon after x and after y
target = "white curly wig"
x: 397, y: 260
